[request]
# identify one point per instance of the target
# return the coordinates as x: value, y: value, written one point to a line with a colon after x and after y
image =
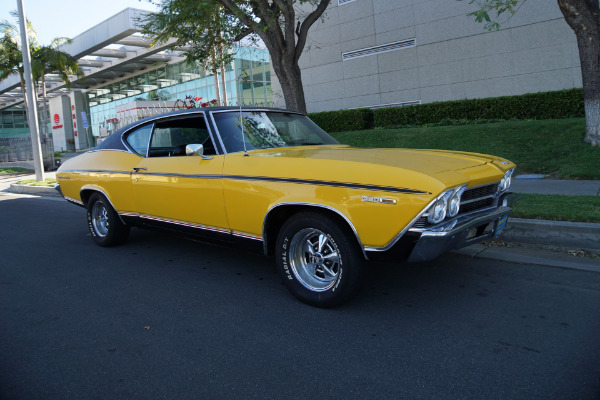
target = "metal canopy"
x: 112, y: 50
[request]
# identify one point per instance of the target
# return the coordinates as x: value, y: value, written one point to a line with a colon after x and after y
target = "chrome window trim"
x: 169, y: 116
x: 292, y: 203
x: 124, y: 151
x: 181, y: 116
x: 130, y: 131
x: 244, y: 110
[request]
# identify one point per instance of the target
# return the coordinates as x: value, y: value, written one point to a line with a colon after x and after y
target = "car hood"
x: 429, y: 162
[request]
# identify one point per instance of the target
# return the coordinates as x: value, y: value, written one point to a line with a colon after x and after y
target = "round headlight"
x: 437, y: 212
x: 506, y: 180
x: 454, y: 204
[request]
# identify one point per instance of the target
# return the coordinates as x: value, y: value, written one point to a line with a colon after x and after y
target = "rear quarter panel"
x: 108, y: 171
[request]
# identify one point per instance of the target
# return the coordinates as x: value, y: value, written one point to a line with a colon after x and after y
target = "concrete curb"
x: 530, y: 256
x: 555, y: 233
x: 36, y: 190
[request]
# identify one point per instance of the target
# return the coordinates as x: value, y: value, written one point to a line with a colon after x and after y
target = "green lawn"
x: 558, y: 208
x: 13, y: 170
x: 543, y: 147
x: 32, y: 182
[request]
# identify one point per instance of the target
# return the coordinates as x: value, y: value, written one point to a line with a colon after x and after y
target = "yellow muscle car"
x: 272, y: 180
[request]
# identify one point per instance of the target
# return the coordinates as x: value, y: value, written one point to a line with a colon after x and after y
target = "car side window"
x: 171, y: 137
x: 138, y: 139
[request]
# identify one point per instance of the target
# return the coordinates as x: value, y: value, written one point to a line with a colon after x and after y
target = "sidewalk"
x: 530, y: 184
x: 8, y: 183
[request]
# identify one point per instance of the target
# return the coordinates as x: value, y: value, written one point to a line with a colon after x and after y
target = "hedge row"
x: 344, y: 120
x: 545, y: 105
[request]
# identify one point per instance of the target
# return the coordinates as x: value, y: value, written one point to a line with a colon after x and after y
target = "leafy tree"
x: 583, y: 16
x: 11, y: 57
x: 205, y: 34
x: 49, y: 59
x: 44, y: 59
x: 282, y: 25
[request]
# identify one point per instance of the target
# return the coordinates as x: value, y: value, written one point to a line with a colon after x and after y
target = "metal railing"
x: 19, y: 148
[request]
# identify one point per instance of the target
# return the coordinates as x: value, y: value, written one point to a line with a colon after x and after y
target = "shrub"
x: 344, y: 120
x: 545, y: 105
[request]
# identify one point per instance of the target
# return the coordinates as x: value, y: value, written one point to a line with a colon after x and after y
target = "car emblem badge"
x: 378, y: 200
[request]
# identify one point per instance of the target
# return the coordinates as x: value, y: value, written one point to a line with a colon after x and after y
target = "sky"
x: 67, y: 18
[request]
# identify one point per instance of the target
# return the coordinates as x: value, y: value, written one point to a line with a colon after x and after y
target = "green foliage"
x: 344, y: 120
x: 546, y: 105
x: 544, y: 147
x: 13, y: 170
x: 205, y: 29
x: 49, y: 182
x: 498, y: 7
x: 558, y: 208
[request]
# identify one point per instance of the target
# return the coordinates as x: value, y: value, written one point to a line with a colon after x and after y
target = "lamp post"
x: 29, y: 88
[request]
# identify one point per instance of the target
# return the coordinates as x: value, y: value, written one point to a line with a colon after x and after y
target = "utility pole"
x: 30, y: 90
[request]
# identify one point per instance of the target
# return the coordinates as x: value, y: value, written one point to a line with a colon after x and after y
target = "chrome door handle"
x: 138, y: 169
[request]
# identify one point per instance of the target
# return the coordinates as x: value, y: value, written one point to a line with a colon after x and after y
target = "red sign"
x: 56, y: 119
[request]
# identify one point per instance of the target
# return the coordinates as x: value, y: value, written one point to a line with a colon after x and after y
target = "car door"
x: 171, y: 187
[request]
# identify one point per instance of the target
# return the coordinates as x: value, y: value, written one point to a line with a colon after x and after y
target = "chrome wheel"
x: 314, y: 259
x: 100, y: 219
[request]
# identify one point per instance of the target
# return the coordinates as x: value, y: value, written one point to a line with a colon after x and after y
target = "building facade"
x: 377, y: 53
x: 127, y: 78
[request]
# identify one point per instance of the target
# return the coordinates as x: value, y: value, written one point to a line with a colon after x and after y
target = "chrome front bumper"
x: 459, y: 232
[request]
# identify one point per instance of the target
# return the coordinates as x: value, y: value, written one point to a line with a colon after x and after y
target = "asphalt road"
x: 165, y: 318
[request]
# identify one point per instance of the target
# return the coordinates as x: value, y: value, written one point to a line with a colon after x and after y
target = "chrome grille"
x: 479, y: 192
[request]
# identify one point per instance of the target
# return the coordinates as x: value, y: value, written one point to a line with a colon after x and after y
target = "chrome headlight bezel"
x: 454, y: 202
x: 506, y: 181
x: 437, y: 212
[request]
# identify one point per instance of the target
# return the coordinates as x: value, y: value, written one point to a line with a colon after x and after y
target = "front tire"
x: 104, y: 223
x: 319, y: 259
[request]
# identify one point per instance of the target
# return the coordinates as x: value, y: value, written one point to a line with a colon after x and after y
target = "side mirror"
x: 196, y: 149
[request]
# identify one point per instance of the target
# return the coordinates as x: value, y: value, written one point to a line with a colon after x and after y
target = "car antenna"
x: 243, y: 137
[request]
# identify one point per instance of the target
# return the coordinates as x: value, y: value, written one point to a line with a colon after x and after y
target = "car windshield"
x: 267, y: 130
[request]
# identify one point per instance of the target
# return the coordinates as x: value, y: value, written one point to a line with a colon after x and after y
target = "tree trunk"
x: 223, y: 87
x: 583, y: 16
x: 215, y: 72
x: 290, y: 78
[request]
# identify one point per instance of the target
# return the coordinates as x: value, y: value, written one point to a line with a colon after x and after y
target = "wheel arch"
x: 88, y: 190
x: 279, y: 213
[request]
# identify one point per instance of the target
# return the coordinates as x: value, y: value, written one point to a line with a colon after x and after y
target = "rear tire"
x: 319, y: 260
x: 104, y: 223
